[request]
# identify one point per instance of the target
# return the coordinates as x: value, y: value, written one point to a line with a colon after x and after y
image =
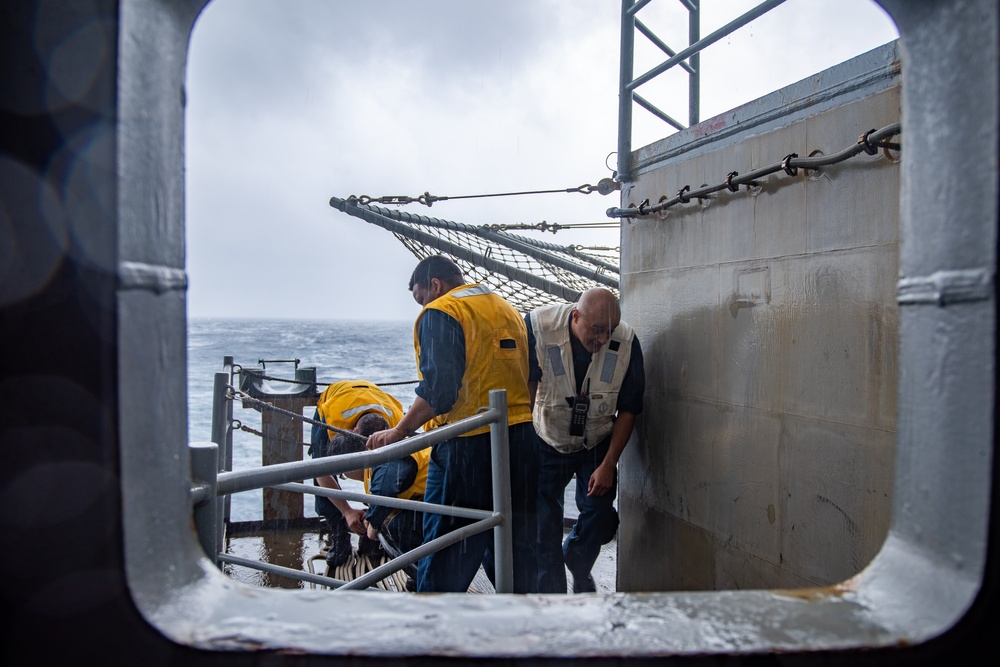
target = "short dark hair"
x: 436, y: 266
x: 370, y: 422
x: 345, y: 444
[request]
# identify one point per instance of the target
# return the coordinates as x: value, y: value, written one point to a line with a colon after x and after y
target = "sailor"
x: 398, y: 530
x: 468, y: 341
x: 586, y: 384
x: 362, y: 407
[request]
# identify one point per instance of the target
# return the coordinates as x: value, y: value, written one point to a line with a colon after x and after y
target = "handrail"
x: 869, y: 143
x: 387, y: 501
x: 210, y: 486
x: 446, y: 540
x: 296, y: 471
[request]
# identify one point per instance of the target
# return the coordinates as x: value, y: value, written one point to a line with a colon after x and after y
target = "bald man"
x: 585, y: 384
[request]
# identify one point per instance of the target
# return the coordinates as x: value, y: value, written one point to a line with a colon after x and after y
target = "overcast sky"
x: 291, y: 102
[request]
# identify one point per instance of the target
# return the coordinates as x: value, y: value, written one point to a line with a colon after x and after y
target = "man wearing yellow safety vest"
x: 586, y: 384
x: 468, y: 341
x: 362, y: 407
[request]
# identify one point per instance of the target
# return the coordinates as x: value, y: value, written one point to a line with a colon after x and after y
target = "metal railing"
x: 687, y: 59
x: 211, y: 487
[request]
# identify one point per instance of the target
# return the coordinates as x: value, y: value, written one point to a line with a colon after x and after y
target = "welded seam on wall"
x: 156, y: 278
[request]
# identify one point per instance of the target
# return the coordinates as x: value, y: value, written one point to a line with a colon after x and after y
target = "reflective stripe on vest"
x: 342, y: 404
x: 370, y: 407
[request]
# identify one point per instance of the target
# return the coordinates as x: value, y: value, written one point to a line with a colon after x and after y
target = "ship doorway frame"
x: 923, y: 585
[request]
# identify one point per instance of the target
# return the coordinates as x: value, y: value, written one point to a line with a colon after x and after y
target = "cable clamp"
x: 729, y: 181
x: 681, y: 196
x: 786, y: 164
x: 864, y: 140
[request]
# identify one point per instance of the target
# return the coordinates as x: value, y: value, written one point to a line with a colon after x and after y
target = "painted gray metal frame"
x: 921, y: 585
x: 687, y: 59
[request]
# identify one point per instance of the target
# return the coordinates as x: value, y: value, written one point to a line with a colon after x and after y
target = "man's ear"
x: 436, y: 287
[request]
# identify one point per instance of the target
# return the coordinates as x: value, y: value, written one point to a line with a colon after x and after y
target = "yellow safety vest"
x: 496, y: 353
x: 416, y: 490
x: 343, y: 403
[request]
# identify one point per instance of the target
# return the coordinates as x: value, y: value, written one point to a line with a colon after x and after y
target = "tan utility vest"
x: 496, y: 354
x: 606, y: 373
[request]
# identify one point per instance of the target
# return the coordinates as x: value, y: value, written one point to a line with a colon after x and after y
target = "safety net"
x: 527, y: 272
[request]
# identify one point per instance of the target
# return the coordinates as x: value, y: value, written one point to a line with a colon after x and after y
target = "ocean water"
x: 378, y: 351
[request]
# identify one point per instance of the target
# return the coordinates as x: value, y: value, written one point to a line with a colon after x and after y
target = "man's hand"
x: 355, y: 520
x: 602, y: 479
x: 372, y: 532
x: 383, y: 438
x: 419, y: 413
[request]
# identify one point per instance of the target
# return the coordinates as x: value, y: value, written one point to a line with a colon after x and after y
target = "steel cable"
x: 605, y: 186
x: 869, y: 143
x: 327, y: 384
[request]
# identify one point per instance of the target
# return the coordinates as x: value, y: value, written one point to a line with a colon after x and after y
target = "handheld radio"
x: 580, y: 408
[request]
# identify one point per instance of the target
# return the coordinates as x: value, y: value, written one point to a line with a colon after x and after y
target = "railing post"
x: 694, y: 79
x: 222, y: 410
x: 625, y: 93
x: 204, y: 473
x: 281, y: 441
x: 502, y: 534
x: 226, y: 455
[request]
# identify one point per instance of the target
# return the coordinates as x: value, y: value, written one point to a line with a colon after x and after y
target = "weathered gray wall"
x: 770, y: 326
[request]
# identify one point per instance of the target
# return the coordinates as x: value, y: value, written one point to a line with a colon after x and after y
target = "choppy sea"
x: 378, y: 351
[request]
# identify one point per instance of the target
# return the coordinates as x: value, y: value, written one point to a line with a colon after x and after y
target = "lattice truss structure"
x: 525, y: 271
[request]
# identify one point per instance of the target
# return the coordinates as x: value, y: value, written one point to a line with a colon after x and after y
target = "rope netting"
x: 521, y: 296
x: 527, y: 272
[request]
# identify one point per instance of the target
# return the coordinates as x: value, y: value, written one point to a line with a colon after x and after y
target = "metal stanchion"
x: 500, y: 452
x: 222, y: 437
x: 204, y: 495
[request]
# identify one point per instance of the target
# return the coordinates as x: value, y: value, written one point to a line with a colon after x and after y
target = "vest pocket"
x: 505, y: 345
x: 603, y: 404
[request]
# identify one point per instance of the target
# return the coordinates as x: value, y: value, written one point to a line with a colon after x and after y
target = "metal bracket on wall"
x: 944, y: 287
x: 156, y: 278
